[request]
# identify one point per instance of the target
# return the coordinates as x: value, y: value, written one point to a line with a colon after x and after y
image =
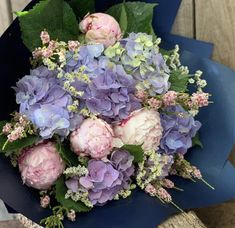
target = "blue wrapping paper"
x: 140, y: 210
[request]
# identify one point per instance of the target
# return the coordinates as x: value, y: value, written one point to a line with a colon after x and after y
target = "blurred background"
x: 210, y: 20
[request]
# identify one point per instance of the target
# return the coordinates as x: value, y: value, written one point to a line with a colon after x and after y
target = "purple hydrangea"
x: 44, y: 102
x: 105, y: 179
x: 179, y: 127
x: 147, y: 64
x: 111, y: 94
x: 89, y: 56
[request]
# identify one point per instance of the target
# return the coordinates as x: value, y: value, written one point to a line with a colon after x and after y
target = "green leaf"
x: 119, y: 13
x: 82, y: 7
x: 133, y: 16
x: 196, y: 141
x: 69, y: 157
x: 56, y: 16
x: 18, y: 144
x: 60, y: 191
x: 179, y: 81
x: 136, y: 151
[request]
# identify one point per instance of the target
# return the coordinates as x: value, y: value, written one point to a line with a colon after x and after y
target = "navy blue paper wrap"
x: 139, y: 210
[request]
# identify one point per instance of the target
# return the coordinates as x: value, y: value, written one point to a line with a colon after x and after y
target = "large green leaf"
x: 133, y: 16
x: 17, y: 145
x: 119, y: 13
x: 136, y: 151
x: 179, y: 81
x: 69, y: 157
x: 60, y: 192
x: 56, y: 16
x: 82, y: 7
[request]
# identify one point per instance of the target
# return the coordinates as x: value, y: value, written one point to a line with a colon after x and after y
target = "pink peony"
x: 141, y: 127
x: 41, y: 165
x: 93, y: 138
x: 101, y: 28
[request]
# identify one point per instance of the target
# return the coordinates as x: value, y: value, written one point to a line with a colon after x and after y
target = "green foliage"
x: 82, y: 7
x: 17, y: 145
x: 136, y: 151
x: 179, y: 81
x: 196, y: 141
x: 56, y: 16
x: 133, y: 16
x: 69, y: 157
x: 60, y: 191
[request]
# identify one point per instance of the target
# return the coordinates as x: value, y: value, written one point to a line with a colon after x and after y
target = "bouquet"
x: 104, y: 109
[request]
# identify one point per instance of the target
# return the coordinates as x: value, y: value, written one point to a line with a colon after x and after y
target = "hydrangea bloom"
x: 178, y: 130
x: 111, y: 94
x: 44, y: 102
x: 141, y: 56
x: 105, y: 179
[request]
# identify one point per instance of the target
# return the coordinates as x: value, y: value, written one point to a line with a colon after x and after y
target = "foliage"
x: 136, y: 151
x: 60, y: 191
x: 61, y: 24
x: 133, y: 16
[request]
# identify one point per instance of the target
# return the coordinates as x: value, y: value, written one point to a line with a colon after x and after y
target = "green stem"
x: 5, y: 144
x: 176, y: 206
x: 179, y: 189
x: 207, y: 184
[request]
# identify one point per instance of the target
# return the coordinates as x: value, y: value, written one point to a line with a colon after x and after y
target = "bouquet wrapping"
x: 112, y: 115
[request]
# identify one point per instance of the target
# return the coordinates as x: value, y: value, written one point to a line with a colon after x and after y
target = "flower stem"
x: 176, y: 206
x: 179, y: 189
x: 207, y: 184
x: 5, y: 144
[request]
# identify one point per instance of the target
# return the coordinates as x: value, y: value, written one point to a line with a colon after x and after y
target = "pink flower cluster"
x: 199, y: 99
x: 164, y: 195
x: 45, y: 201
x: 16, y: 130
x: 169, y: 99
x: 50, y: 47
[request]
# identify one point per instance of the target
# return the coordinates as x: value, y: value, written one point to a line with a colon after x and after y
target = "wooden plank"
x: 184, y: 24
x: 5, y: 15
x: 18, y: 5
x: 215, y: 22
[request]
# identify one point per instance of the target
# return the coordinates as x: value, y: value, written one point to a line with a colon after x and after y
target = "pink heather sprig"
x: 199, y: 99
x: 73, y: 45
x: 158, y: 191
x: 17, y: 129
x: 141, y: 94
x: 154, y: 103
x: 169, y: 99
x: 184, y: 169
x: 45, y: 201
x: 164, y: 195
x: 51, y: 48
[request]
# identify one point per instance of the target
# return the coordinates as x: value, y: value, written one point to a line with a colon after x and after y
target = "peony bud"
x: 93, y: 138
x: 41, y: 165
x: 101, y: 28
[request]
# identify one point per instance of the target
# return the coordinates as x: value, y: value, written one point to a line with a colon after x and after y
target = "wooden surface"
x: 184, y: 23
